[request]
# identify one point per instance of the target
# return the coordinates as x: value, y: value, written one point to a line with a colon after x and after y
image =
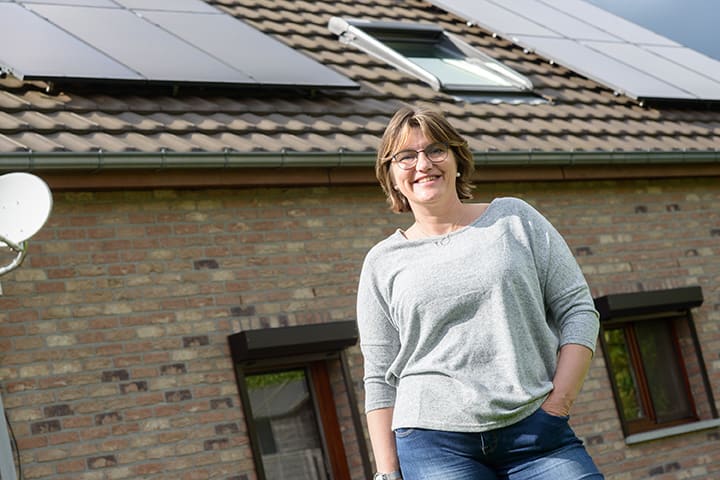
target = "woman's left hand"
x: 558, y: 409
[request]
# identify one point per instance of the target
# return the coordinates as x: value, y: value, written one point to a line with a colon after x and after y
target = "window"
x: 654, y: 359
x: 649, y: 374
x: 436, y: 57
x: 293, y: 382
x: 287, y: 422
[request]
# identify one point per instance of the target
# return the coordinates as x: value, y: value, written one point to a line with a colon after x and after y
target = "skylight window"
x: 438, y: 58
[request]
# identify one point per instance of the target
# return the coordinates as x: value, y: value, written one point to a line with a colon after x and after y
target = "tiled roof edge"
x: 96, y: 161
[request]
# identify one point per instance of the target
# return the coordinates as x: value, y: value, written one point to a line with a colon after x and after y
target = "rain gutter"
x: 101, y: 161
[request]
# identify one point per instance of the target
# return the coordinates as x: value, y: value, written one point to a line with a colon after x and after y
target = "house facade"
x: 188, y: 310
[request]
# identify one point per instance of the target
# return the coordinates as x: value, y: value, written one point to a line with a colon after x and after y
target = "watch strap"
x: 388, y: 476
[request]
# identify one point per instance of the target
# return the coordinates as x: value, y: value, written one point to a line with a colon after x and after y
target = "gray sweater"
x: 463, y: 334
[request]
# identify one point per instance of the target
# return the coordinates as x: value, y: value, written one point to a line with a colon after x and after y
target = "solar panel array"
x: 165, y: 41
x: 602, y: 46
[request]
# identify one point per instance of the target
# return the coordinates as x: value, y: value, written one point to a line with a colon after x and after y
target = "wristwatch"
x: 388, y: 476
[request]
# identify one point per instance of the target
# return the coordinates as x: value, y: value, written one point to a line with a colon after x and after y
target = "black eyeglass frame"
x: 406, y: 166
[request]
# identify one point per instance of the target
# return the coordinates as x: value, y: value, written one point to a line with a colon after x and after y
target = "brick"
x: 221, y: 403
x: 70, y: 466
x: 108, y: 418
x: 178, y: 396
x: 42, y: 428
x: 104, y: 461
x: 174, y: 369
x: 206, y: 264
x: 243, y: 311
x: 227, y: 428
x: 195, y: 341
x: 133, y: 387
x: 58, y: 411
x: 115, y: 376
x: 216, y: 444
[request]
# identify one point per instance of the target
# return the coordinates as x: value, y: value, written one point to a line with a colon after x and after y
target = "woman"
x: 477, y: 327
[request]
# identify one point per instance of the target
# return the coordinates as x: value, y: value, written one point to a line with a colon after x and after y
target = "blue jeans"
x: 540, y: 447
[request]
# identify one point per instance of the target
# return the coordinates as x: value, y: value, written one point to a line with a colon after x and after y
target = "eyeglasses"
x: 407, y: 159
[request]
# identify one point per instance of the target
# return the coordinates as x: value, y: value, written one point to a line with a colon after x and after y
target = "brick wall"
x: 113, y: 352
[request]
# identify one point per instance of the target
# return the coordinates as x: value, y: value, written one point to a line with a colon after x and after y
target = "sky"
x: 693, y: 23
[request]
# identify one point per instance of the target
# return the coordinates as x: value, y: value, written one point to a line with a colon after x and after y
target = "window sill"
x: 669, y: 432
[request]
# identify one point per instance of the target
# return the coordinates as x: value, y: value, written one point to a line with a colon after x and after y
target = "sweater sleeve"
x: 379, y: 340
x: 568, y: 302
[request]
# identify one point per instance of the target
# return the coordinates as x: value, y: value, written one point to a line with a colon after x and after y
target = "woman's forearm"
x: 382, y: 439
x: 572, y: 368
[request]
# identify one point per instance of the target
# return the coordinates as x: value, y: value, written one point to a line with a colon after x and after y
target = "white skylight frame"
x: 356, y: 32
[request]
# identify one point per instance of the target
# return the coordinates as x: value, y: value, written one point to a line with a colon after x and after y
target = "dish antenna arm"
x: 21, y: 252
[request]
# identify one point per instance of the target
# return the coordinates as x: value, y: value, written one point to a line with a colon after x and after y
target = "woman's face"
x: 426, y: 183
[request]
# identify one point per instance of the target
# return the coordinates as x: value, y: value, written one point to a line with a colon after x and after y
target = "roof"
x: 74, y: 127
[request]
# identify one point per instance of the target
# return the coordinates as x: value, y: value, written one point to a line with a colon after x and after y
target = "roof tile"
x: 9, y: 145
x: 10, y: 123
x: 38, y: 143
x: 75, y: 143
x: 145, y: 123
x: 11, y: 102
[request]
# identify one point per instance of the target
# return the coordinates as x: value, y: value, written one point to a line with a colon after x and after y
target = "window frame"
x: 371, y: 37
x: 665, y: 307
x: 650, y: 420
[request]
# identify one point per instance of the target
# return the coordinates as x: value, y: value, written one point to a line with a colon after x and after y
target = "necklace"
x: 444, y: 237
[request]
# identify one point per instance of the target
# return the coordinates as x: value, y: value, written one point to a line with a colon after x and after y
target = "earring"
x: 395, y: 187
x: 457, y: 174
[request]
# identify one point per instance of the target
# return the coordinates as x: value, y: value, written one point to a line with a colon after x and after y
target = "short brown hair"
x: 436, y: 128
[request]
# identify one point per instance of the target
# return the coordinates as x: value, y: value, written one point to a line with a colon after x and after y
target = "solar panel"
x: 494, y: 17
x: 587, y: 61
x: 673, y: 73
x: 608, y: 22
x: 582, y: 37
x: 86, y: 3
x: 43, y: 50
x: 690, y: 58
x: 158, y: 55
x: 556, y: 20
x: 220, y: 36
x: 166, y: 41
x: 692, y: 23
x: 169, y: 5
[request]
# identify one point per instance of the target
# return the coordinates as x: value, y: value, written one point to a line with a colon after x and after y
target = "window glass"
x: 284, y: 415
x: 623, y: 374
x: 666, y: 380
x: 449, y: 67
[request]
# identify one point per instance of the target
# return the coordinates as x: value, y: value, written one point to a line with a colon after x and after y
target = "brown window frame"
x: 650, y: 420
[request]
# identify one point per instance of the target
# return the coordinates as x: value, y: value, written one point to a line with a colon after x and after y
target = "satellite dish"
x: 25, y: 204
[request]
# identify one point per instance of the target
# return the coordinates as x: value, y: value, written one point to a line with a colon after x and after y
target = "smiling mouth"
x: 427, y: 179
